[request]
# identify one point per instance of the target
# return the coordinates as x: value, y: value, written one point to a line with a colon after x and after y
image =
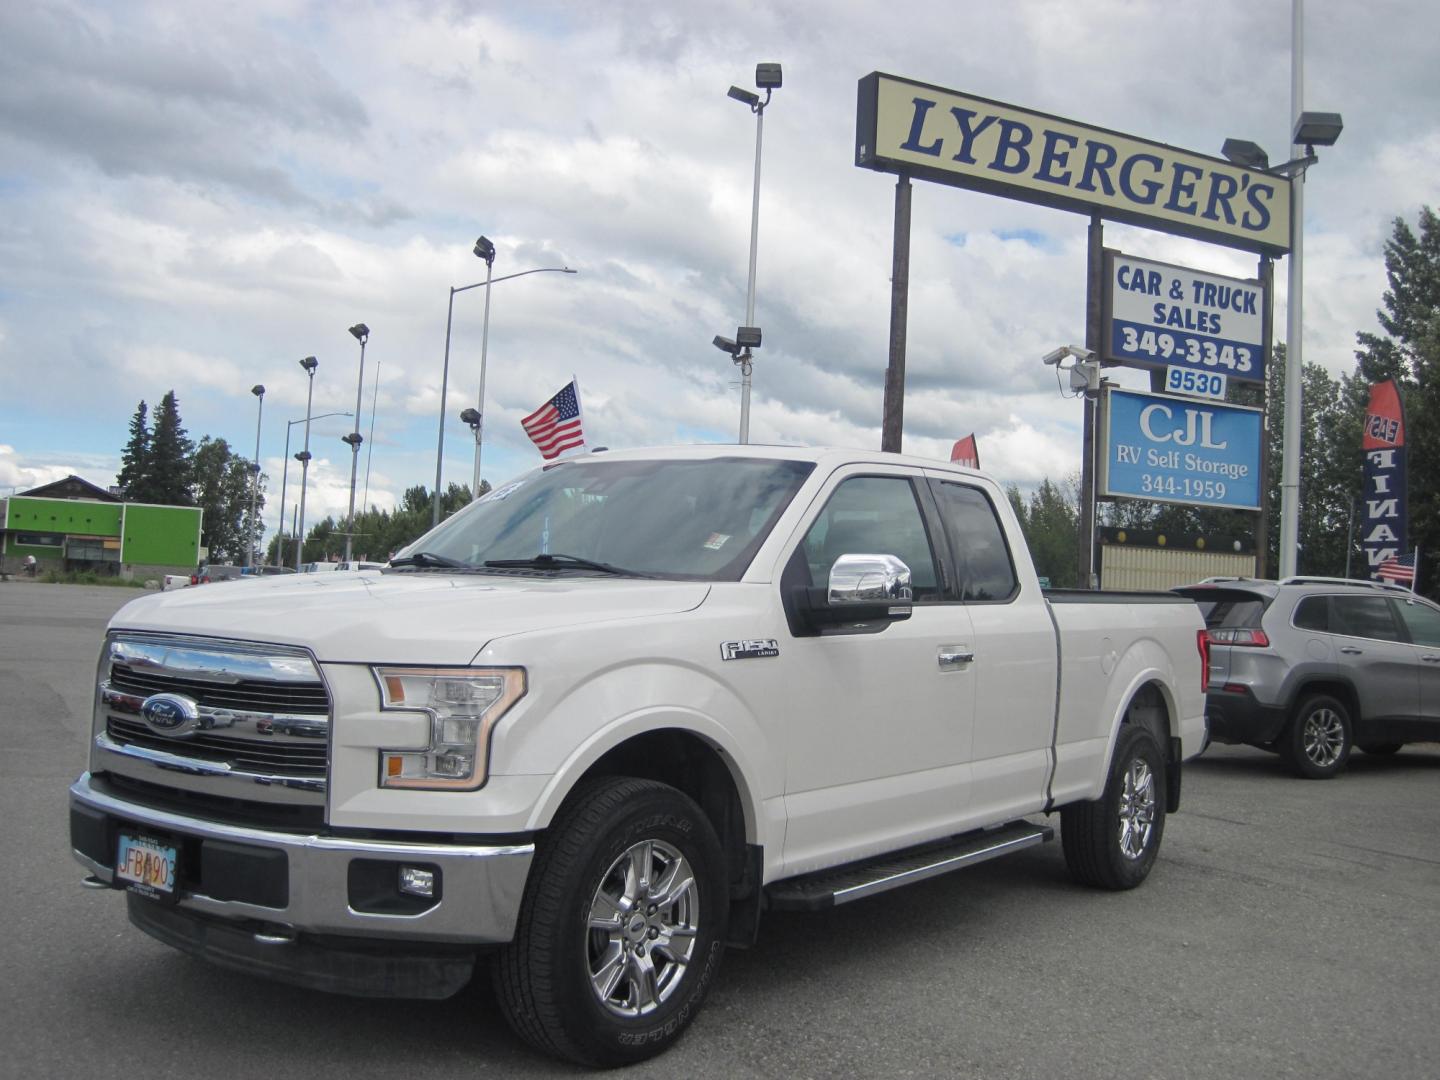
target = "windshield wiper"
x: 560, y: 561
x: 429, y: 558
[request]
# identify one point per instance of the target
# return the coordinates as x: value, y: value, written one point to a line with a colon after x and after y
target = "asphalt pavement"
x: 1288, y: 929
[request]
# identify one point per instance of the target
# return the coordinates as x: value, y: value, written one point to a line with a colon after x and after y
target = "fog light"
x: 417, y: 882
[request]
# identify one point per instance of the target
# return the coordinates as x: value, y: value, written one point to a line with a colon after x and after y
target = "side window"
x: 1365, y: 617
x: 978, y: 543
x: 873, y: 515
x: 1422, y: 621
x: 1313, y: 613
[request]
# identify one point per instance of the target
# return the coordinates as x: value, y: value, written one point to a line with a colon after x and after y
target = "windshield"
x: 698, y: 519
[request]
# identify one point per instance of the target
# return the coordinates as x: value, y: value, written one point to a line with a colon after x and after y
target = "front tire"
x: 1111, y: 843
x: 1317, y: 743
x: 622, y: 926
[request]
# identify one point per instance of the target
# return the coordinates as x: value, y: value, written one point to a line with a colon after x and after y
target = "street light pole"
x: 488, y: 254
x: 259, y: 391
x: 285, y: 479
x: 767, y: 77
x: 361, y: 333
x: 309, y: 364
x: 445, y: 370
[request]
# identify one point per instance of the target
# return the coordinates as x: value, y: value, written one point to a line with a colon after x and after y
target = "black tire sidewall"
x: 1295, y: 738
x: 668, y: 816
x: 1134, y: 741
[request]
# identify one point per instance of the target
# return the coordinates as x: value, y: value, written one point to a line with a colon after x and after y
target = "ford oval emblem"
x: 170, y: 714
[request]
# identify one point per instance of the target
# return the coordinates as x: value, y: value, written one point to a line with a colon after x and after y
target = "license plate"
x: 146, y: 866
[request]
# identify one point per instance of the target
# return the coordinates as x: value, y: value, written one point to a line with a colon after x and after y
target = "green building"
x: 74, y: 525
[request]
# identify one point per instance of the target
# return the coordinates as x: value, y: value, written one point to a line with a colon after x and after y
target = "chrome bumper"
x: 480, y: 895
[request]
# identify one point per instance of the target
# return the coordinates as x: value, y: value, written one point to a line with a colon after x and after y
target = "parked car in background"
x: 266, y: 570
x: 205, y: 573
x: 331, y: 567
x: 1313, y: 667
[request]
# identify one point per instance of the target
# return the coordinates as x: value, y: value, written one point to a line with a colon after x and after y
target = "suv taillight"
x: 1202, y: 642
x: 1256, y: 638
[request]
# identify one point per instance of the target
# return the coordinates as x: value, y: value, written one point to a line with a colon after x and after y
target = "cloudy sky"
x: 195, y: 195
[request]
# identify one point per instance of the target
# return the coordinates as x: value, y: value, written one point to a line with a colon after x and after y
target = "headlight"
x: 464, y: 705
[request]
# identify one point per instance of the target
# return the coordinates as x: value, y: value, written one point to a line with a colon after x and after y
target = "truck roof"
x: 821, y: 455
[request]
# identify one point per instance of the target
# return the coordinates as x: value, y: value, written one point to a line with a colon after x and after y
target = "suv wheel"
x: 1317, y: 743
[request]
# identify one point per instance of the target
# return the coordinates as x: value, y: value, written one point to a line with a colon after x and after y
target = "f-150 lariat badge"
x: 749, y: 649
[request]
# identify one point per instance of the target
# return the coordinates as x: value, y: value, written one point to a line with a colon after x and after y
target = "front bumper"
x: 298, y: 883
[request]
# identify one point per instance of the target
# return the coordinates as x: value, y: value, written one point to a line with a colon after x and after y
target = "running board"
x: 855, y: 881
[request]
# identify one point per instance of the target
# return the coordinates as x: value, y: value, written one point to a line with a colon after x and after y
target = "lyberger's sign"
x: 952, y: 138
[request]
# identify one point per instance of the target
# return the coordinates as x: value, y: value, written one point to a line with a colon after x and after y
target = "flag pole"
x: 1415, y: 575
x: 579, y: 405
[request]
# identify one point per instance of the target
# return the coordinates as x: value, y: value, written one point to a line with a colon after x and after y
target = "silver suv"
x: 1310, y: 667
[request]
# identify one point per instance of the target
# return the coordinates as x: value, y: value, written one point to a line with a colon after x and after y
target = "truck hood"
x: 403, y: 618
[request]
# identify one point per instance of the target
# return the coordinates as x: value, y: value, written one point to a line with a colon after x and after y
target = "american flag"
x: 555, y: 426
x: 1400, y: 570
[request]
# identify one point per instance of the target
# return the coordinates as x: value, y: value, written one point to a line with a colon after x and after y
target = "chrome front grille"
x: 230, y: 719
x: 250, y: 695
x: 247, y: 755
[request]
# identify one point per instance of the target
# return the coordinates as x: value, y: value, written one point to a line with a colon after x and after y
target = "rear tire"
x: 622, y: 926
x: 1111, y: 843
x: 1317, y: 742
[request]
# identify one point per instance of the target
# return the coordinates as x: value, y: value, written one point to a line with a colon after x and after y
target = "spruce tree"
x: 171, y: 456
x: 134, y: 476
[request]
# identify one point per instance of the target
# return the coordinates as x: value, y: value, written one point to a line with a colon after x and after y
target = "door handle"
x: 1431, y: 659
x: 954, y: 657
x: 1350, y: 650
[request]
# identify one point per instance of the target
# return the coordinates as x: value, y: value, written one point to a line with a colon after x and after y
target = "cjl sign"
x: 1158, y: 315
x: 1178, y: 450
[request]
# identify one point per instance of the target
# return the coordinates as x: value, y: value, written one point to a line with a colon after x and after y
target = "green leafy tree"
x: 1408, y: 351
x: 1050, y: 523
x: 222, y: 481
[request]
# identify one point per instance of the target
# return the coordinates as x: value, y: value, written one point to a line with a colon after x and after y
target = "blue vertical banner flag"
x: 1385, y: 535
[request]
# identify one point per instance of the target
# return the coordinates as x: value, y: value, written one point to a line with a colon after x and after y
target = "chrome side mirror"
x: 868, y: 580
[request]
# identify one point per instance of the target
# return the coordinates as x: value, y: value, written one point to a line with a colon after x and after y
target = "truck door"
x: 877, y: 719
x: 1015, y: 662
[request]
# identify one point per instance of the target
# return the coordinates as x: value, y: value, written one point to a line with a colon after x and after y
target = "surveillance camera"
x: 1054, y: 356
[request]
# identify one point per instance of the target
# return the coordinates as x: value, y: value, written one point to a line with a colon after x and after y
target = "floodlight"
x: 360, y: 332
x: 354, y: 439
x: 484, y: 249
x: 310, y: 364
x: 746, y: 96
x: 303, y: 456
x: 1317, y: 129
x: 1246, y: 153
x: 767, y: 76
x: 258, y: 390
x: 471, y: 417
x: 748, y: 337
x: 724, y: 344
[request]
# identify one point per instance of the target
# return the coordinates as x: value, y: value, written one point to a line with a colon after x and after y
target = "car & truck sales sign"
x: 1180, y: 450
x: 1158, y: 315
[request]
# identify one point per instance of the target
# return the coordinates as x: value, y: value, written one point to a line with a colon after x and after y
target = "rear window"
x: 1223, y: 609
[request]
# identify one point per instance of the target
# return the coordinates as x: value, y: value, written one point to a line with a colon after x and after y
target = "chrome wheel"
x: 644, y: 918
x: 1137, y: 809
x: 1323, y: 738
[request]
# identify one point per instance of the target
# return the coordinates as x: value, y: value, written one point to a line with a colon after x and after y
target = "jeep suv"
x: 1311, y: 667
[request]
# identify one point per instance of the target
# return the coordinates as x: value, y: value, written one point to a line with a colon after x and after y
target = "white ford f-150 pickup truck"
x: 591, y: 727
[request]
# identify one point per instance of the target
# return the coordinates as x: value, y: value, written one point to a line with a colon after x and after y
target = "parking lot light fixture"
x: 309, y: 364
x: 259, y: 391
